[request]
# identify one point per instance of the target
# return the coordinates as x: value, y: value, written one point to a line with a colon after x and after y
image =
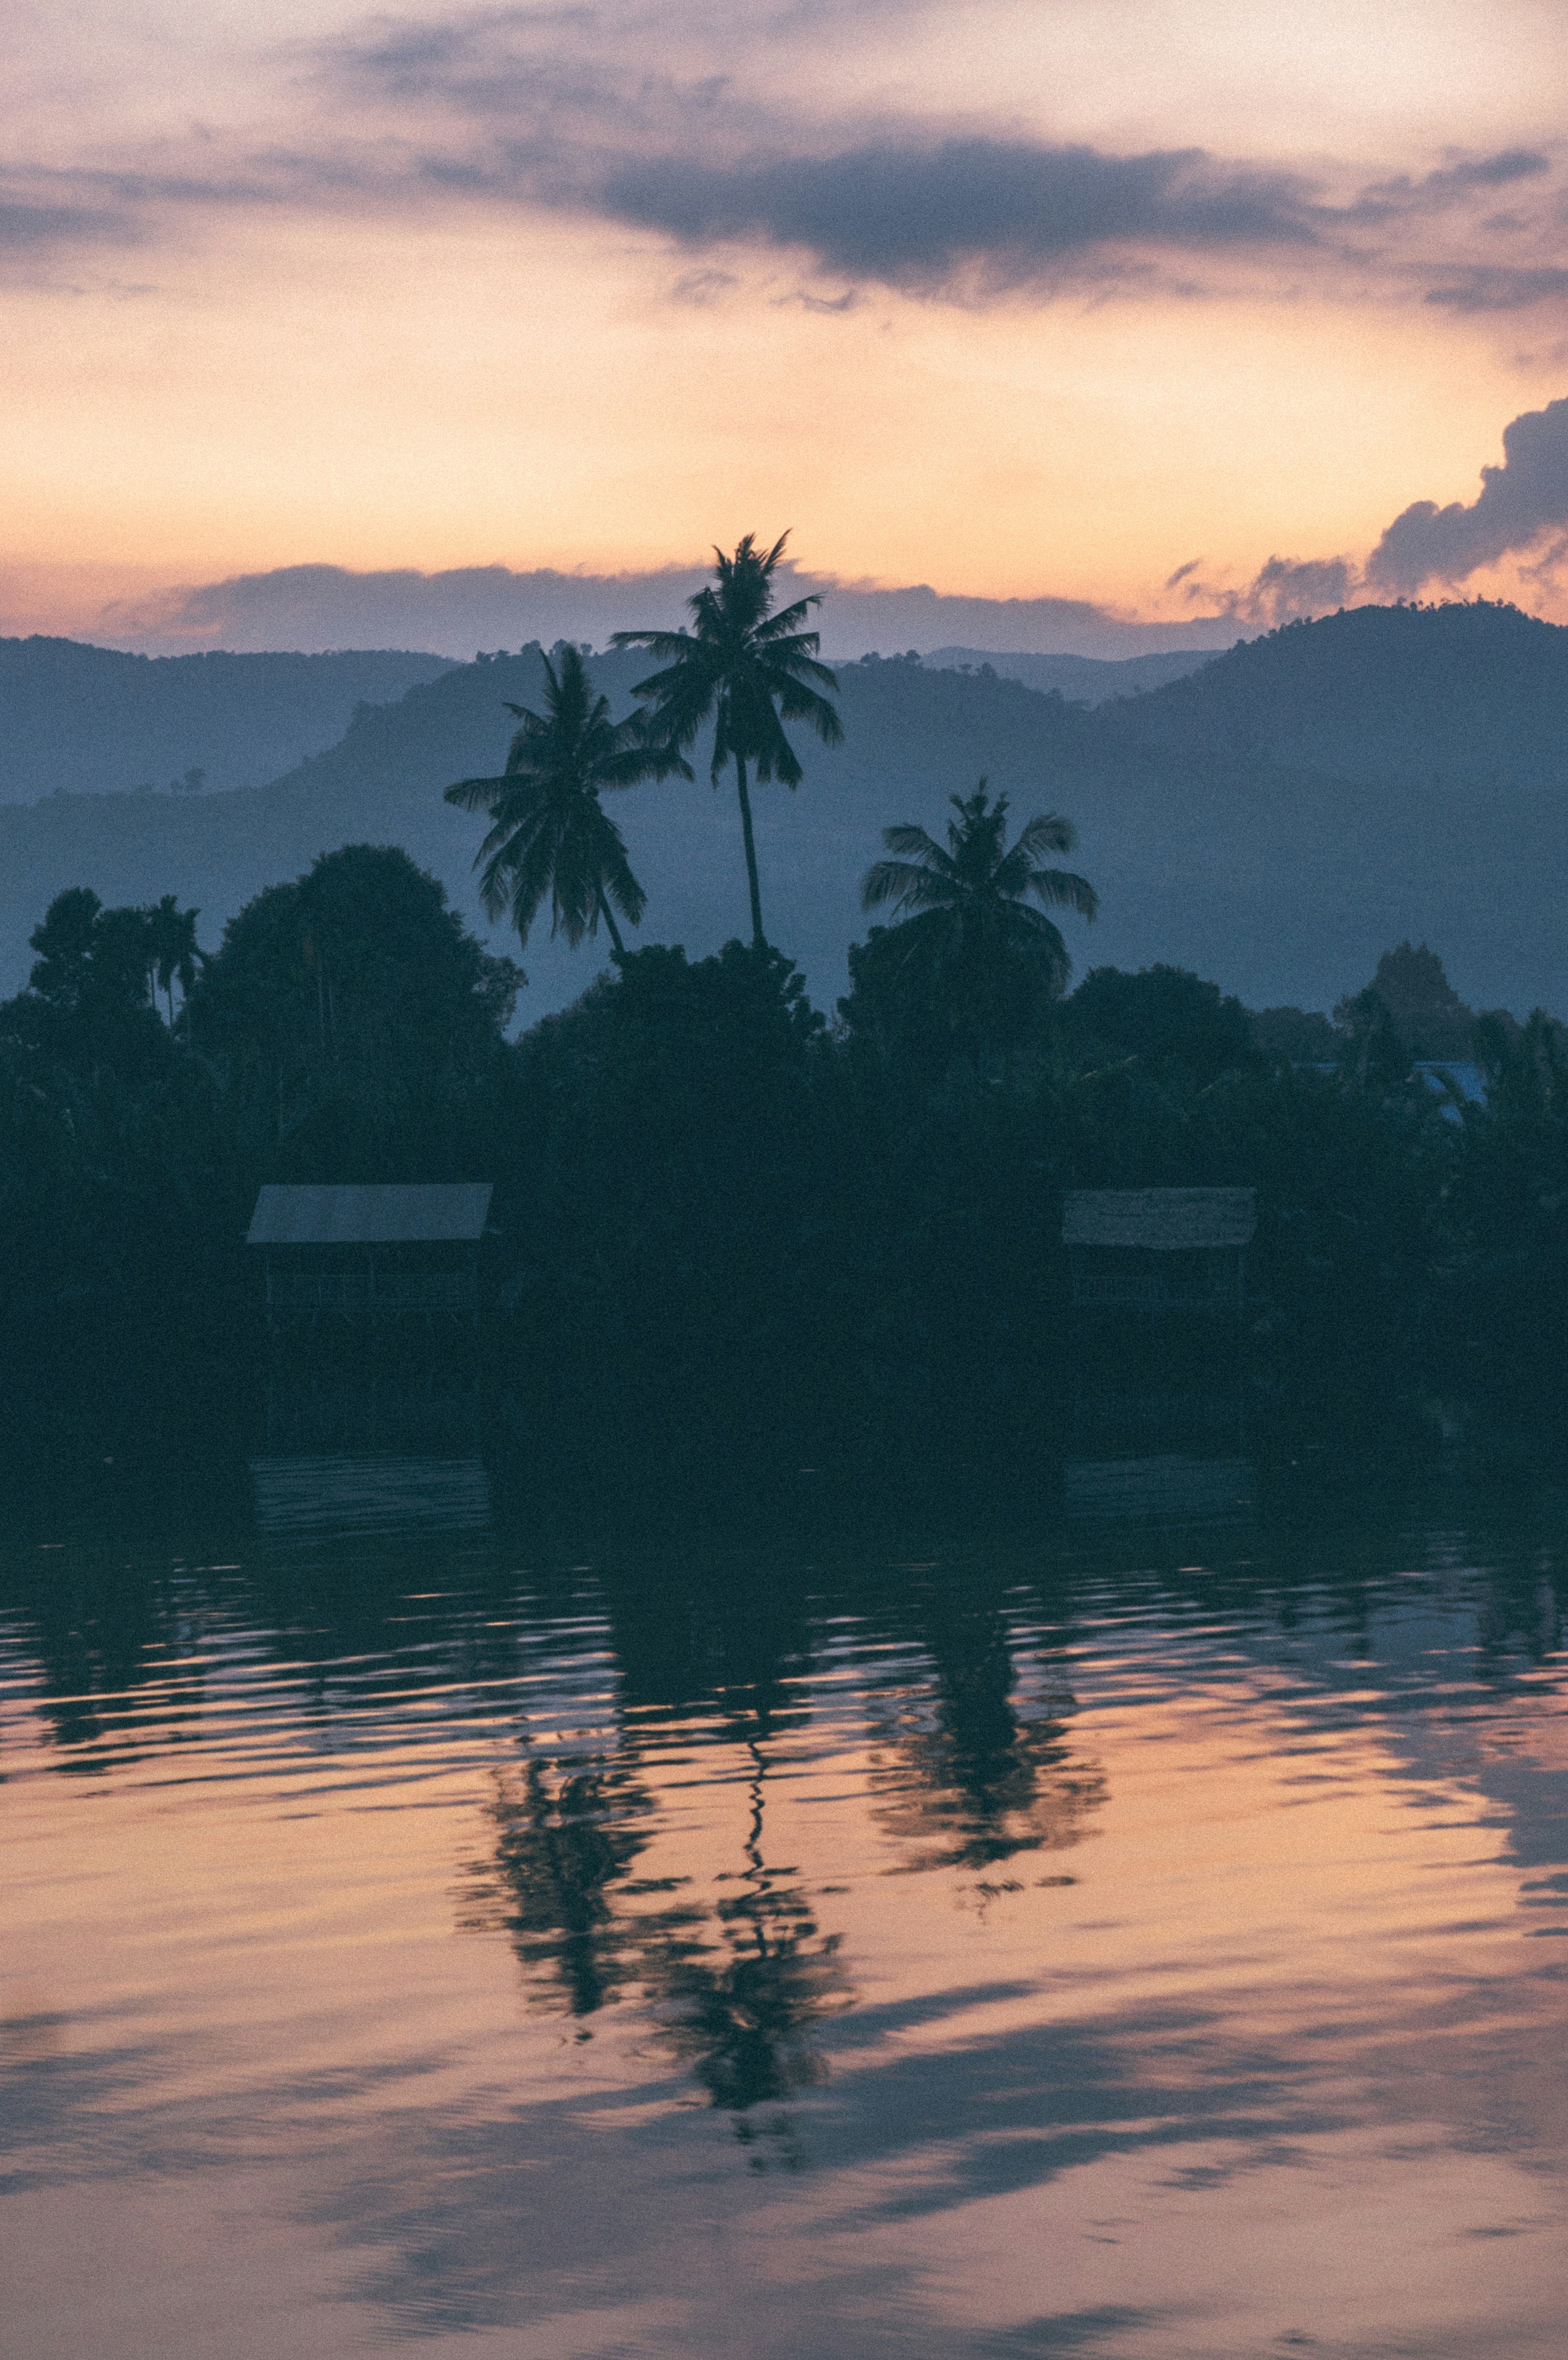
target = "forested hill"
x: 1277, y: 821
x: 94, y: 720
x: 1466, y: 691
x: 1083, y: 679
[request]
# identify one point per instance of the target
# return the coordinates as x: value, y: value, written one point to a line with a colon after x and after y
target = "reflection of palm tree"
x: 739, y: 2008
x: 561, y: 1848
x: 967, y: 1781
x: 743, y: 2013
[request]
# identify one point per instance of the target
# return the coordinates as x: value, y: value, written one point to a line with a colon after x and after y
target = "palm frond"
x: 907, y: 884
x: 1066, y: 891
x: 787, y: 621
x: 913, y: 844
x: 475, y: 794
x: 1047, y: 831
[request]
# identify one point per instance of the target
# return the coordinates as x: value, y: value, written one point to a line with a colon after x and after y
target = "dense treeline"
x: 734, y: 1231
x: 1280, y: 819
x: 731, y: 1234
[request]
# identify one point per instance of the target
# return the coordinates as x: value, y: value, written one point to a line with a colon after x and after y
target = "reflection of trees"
x: 741, y: 2008
x: 965, y: 1778
x: 565, y: 1837
x: 733, y: 1990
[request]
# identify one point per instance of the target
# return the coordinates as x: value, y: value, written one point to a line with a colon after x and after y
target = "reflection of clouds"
x: 1304, y: 2061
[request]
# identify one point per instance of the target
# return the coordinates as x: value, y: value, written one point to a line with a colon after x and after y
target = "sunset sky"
x: 1054, y: 300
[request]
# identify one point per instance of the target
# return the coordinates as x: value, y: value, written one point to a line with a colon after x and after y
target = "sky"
x: 1159, y: 317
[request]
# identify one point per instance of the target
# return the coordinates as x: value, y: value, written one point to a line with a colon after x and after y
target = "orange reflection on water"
x: 938, y: 1975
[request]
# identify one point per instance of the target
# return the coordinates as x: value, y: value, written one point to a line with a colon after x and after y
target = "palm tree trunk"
x: 758, y: 939
x: 609, y: 917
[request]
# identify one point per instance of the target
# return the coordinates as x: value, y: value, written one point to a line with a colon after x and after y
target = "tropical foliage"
x: 747, y: 669
x: 737, y: 1243
x: 972, y: 964
x: 551, y: 838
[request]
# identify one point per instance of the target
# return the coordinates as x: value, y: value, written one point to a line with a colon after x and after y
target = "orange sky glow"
x: 1043, y: 300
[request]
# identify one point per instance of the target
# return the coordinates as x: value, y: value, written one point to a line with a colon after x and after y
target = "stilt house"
x: 371, y: 1256
x: 1159, y: 1249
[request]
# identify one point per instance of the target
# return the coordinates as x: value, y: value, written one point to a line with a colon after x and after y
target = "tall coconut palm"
x: 552, y: 838
x: 969, y: 941
x: 748, y: 668
x: 172, y: 955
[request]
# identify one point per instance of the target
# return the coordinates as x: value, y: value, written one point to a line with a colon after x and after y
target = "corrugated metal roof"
x: 1469, y: 1080
x: 1168, y: 1219
x: 370, y: 1216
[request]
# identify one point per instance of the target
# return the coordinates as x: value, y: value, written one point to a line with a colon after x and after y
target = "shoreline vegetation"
x: 736, y: 1233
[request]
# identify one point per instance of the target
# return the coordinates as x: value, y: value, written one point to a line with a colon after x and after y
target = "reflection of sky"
x: 1092, y: 1959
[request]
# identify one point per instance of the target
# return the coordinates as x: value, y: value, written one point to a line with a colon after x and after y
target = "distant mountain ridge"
x: 1084, y: 680
x: 1276, y: 820
x: 1474, y: 691
x: 93, y: 720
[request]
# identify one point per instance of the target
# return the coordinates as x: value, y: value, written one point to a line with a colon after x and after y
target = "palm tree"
x: 172, y: 955
x: 748, y: 668
x: 968, y: 941
x: 551, y: 835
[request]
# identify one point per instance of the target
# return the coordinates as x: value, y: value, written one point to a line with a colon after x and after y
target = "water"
x: 1101, y: 1935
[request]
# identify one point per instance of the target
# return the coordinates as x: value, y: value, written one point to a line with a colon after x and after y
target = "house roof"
x: 1168, y: 1220
x: 370, y: 1216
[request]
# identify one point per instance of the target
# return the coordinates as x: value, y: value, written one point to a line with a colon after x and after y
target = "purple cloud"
x: 1518, y: 505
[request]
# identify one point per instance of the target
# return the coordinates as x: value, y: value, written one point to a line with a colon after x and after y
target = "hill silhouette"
x: 1425, y: 694
x: 1275, y: 821
x: 1083, y: 680
x: 91, y: 720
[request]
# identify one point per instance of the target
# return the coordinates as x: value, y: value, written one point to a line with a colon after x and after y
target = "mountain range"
x: 1276, y: 819
x: 94, y: 719
x: 1083, y: 679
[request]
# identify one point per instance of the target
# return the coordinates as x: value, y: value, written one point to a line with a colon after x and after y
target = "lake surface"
x: 1139, y: 1932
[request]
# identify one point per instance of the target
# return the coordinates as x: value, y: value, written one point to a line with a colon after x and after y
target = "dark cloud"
x: 31, y: 229
x: 1287, y: 587
x: 1451, y: 184
x: 1492, y: 288
x: 1521, y: 509
x: 918, y: 215
x: 628, y: 112
x: 322, y: 606
x: 1520, y: 504
x: 1283, y: 590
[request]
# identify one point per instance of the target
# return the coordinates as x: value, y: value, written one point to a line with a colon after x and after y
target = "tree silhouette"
x: 968, y: 947
x: 172, y: 953
x: 749, y: 669
x: 551, y: 838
